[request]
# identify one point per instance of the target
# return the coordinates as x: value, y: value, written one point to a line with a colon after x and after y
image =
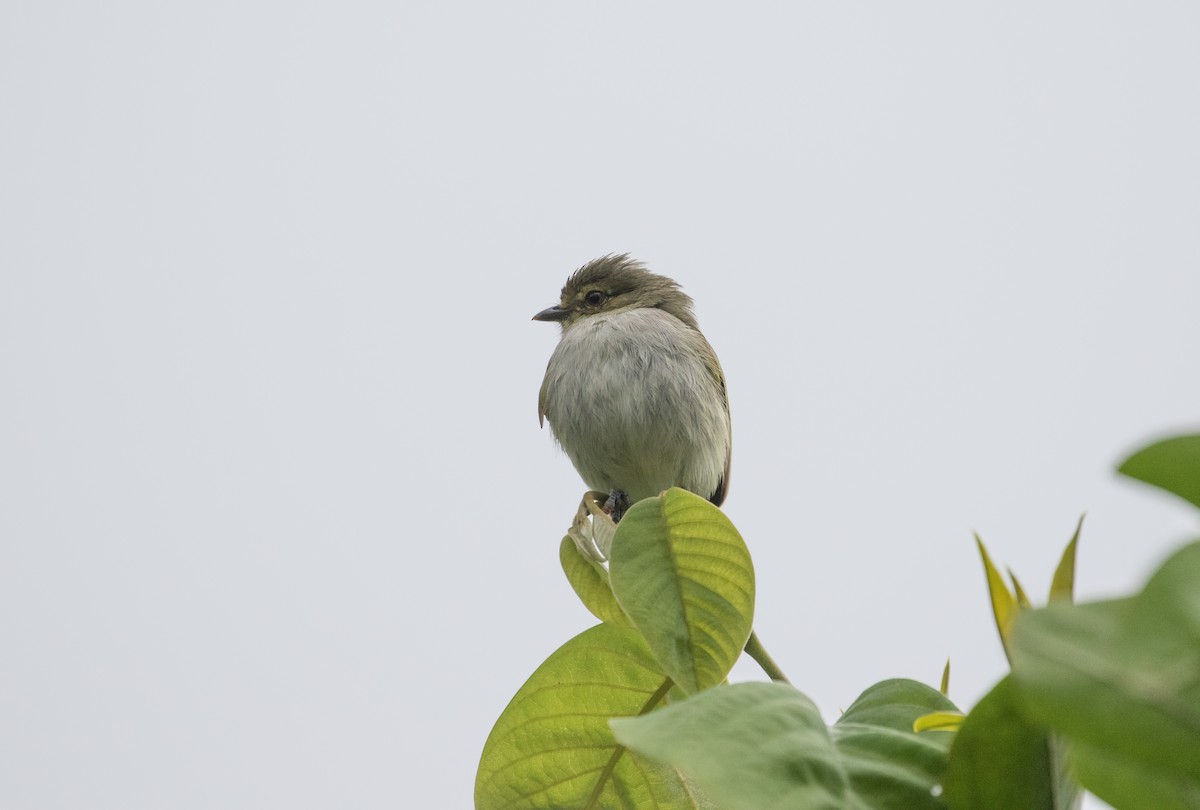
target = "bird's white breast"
x: 632, y: 400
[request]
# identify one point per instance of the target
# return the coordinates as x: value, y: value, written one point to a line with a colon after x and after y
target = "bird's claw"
x: 617, y: 505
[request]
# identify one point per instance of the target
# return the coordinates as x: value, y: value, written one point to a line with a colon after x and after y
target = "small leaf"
x: 1004, y: 604
x: 590, y: 581
x: 552, y: 747
x: 1171, y: 464
x: 682, y: 574
x: 1121, y: 680
x: 945, y: 688
x: 1022, y: 597
x: 1062, y: 587
x: 938, y: 721
x: 592, y: 529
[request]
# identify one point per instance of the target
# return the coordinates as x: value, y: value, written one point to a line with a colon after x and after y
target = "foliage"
x: 636, y: 712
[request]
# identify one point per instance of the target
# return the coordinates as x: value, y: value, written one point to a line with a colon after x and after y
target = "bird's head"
x: 614, y: 283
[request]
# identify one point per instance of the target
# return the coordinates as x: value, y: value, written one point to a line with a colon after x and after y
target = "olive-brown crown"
x: 616, y: 282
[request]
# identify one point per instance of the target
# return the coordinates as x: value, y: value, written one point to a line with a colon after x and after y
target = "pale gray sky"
x: 277, y: 523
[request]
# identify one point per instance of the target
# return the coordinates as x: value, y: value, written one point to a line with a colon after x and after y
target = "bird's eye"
x: 594, y: 299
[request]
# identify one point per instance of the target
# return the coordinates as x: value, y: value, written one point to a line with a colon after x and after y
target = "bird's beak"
x: 552, y: 314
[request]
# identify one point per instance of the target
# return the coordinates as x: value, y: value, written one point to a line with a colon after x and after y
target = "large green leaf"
x: 590, y: 581
x: 751, y: 746
x: 552, y: 748
x: 764, y: 746
x: 999, y: 761
x: 683, y: 575
x: 1172, y: 464
x: 1128, y: 784
x: 1121, y: 680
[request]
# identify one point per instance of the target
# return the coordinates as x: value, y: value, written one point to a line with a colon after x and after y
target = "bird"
x: 633, y: 391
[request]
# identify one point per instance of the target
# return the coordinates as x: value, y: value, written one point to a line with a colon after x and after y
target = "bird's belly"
x: 637, y: 414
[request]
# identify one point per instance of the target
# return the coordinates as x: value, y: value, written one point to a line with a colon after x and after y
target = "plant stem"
x: 758, y: 652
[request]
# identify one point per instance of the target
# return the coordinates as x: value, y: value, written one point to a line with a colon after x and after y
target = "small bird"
x: 634, y: 392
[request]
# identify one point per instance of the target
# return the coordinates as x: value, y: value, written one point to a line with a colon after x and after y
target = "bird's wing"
x: 542, y: 403
x: 718, y: 497
x: 714, y: 369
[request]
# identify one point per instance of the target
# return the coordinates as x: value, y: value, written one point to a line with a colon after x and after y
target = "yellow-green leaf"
x: 590, y: 581
x: 552, y: 748
x: 1022, y: 597
x: 682, y: 574
x: 1004, y: 603
x: 938, y: 721
x: 1062, y: 587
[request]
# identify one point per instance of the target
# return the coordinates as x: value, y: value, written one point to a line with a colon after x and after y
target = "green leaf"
x: 683, y: 575
x: 1171, y: 464
x: 763, y: 746
x: 1121, y: 680
x: 895, y: 704
x: 1000, y: 760
x: 1128, y: 784
x: 751, y: 746
x: 1004, y: 603
x: 945, y: 687
x: 590, y: 581
x: 890, y: 765
x: 552, y: 748
x: 1062, y: 587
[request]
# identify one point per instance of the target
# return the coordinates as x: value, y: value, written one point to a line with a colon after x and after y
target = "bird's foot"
x: 617, y: 505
